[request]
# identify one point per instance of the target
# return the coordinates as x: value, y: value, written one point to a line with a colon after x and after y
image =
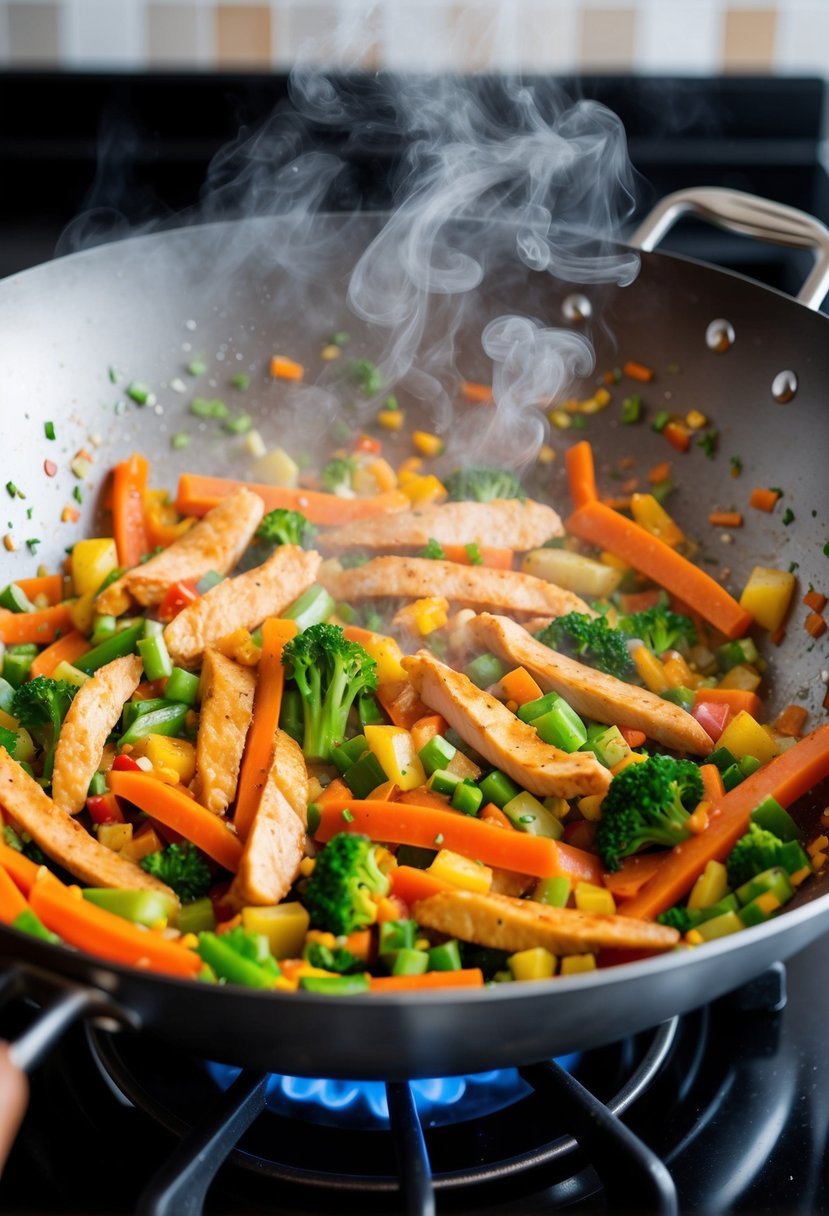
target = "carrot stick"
x: 490, y: 813
x: 176, y: 810
x: 82, y: 924
x: 41, y: 627
x: 65, y: 650
x: 519, y: 686
x: 197, y: 495
x: 49, y: 585
x: 426, y: 728
x: 399, y: 700
x: 725, y: 519
x: 17, y: 866
x: 410, y: 884
x: 476, y: 394
x: 402, y: 823
x: 635, y: 872
x: 735, y: 698
x: 596, y: 523
x: 128, y: 485
x: 712, y: 783
x: 423, y: 797
x: 815, y: 600
x: 791, y: 721
x: 267, y: 704
x: 763, y: 500
x: 581, y: 473
x: 787, y: 777
x: 282, y: 368
x: 12, y: 901
x: 637, y: 371
x: 491, y: 556
x: 469, y: 977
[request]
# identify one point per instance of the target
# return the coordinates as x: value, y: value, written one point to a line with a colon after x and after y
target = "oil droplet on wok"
x: 576, y: 308
x: 784, y: 386
x: 720, y: 336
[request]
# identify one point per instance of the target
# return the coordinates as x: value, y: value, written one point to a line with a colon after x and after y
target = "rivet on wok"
x: 576, y: 308
x: 784, y: 386
x: 720, y: 335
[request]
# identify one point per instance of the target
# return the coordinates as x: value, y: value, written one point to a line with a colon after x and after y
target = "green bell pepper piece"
x: 141, y: 907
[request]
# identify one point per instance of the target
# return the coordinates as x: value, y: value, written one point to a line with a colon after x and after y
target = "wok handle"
x: 750, y: 215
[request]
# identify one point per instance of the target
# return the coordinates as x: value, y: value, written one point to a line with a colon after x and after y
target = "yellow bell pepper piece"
x: 590, y: 898
x: 92, y: 561
x: 394, y: 748
x: 178, y: 755
x: 428, y: 444
x: 426, y: 615
x: 591, y: 807
x: 743, y: 676
x: 651, y: 671
x: 284, y: 925
x: 461, y: 872
x: 573, y: 964
x: 82, y: 611
x: 767, y: 596
x: 423, y: 489
x: 240, y: 646
x: 391, y: 420
x: 746, y: 737
x: 710, y: 887
x: 679, y: 673
x: 114, y: 835
x: 387, y: 655
x: 652, y: 516
x: 534, y: 964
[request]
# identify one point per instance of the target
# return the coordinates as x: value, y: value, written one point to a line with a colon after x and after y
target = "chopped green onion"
x: 204, y: 408
x: 140, y: 393
x: 241, y: 381
x: 49, y: 430
x: 77, y: 494
x: 156, y: 659
x: 239, y: 425
x: 788, y: 517
x: 709, y: 441
x: 181, y: 439
x: 660, y: 421
x: 631, y: 409
x: 196, y: 367
x: 347, y: 816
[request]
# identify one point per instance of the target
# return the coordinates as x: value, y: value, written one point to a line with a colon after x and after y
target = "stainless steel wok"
x: 234, y: 293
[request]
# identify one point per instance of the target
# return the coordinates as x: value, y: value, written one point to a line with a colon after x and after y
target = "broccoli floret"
x: 647, y: 804
x: 40, y: 705
x: 482, y: 483
x: 345, y: 877
x: 339, y: 959
x: 329, y: 672
x: 591, y: 640
x: 182, y: 868
x: 676, y: 918
x: 753, y: 853
x: 659, y: 628
x: 434, y: 551
x: 284, y: 527
x: 8, y: 740
x: 336, y: 475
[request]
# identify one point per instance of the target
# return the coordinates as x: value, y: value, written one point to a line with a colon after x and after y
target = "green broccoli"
x: 345, y: 877
x: 329, y: 672
x: 367, y: 375
x: 647, y: 804
x: 8, y: 740
x: 336, y: 475
x: 677, y: 918
x: 434, y: 551
x: 482, y: 483
x: 339, y: 959
x: 40, y: 705
x: 591, y: 640
x: 659, y: 628
x: 756, y: 851
x: 181, y: 867
x: 284, y: 527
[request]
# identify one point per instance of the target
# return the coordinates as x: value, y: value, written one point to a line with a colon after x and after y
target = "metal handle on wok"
x: 749, y: 215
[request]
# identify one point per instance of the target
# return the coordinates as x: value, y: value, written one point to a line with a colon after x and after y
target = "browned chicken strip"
x: 276, y: 841
x: 592, y: 693
x: 504, y: 522
x: 507, y: 742
x: 216, y: 542
x: 226, y: 705
x: 503, y: 923
x: 242, y: 602
x: 472, y: 586
x: 63, y: 838
x: 89, y: 721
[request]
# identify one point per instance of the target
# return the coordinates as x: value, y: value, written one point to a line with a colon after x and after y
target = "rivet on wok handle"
x: 760, y: 218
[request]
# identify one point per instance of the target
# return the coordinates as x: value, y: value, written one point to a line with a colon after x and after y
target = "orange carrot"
x: 410, y: 884
x: 334, y: 792
x: 763, y: 500
x: 735, y: 698
x: 637, y: 371
x: 399, y: 700
x: 176, y: 810
x: 490, y: 813
x: 814, y: 625
x: 18, y: 867
x: 197, y: 495
x: 129, y: 482
x: 581, y: 473
x: 635, y: 872
x: 787, y: 777
x: 423, y: 797
x: 267, y: 704
x: 791, y: 721
x: 812, y: 599
x: 12, y: 901
x: 402, y: 823
x: 678, y: 436
x: 282, y: 368
x: 477, y: 394
x: 48, y: 585
x: 725, y: 519
x: 491, y: 557
x: 65, y: 650
x: 519, y: 686
x: 659, y: 472
x: 426, y: 728
x: 41, y: 627
x: 632, y: 736
x: 596, y: 523
x: 359, y: 943
x: 639, y: 601
x: 712, y: 783
x: 468, y: 977
x: 82, y: 924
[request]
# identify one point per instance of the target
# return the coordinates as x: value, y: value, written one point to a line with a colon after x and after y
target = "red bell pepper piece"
x: 178, y: 596
x: 713, y: 717
x: 125, y: 764
x: 104, y: 808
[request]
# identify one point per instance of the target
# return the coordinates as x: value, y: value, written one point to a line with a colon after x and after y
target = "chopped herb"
x: 736, y: 466
x: 29, y: 511
x: 474, y: 554
x: 439, y: 838
x: 347, y: 816
x: 368, y: 376
x: 776, y: 490
x: 33, y: 543
x: 49, y: 430
x: 660, y: 421
x: 526, y: 818
x: 391, y: 403
x: 113, y: 375
x: 180, y: 440
x: 788, y: 517
x: 796, y: 565
x: 140, y: 393
x: 340, y: 338
x: 76, y: 494
x: 241, y: 381
x: 709, y: 441
x: 204, y: 408
x: 196, y: 367
x: 631, y: 409
x: 240, y: 425
x: 11, y: 489
x: 434, y: 551
x: 826, y: 549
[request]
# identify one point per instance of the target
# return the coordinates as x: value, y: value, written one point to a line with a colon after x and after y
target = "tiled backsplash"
x: 683, y: 36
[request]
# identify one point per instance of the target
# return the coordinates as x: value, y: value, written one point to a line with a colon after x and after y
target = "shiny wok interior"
x: 230, y: 292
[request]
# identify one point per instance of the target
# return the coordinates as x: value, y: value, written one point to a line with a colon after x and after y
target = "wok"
x: 147, y: 305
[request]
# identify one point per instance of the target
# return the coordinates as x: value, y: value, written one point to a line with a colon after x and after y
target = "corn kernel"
x: 695, y: 420
x: 694, y: 938
x: 306, y: 866
x: 546, y: 454
x: 8, y: 543
x: 330, y: 352
x: 428, y: 444
x: 536, y: 963
x: 818, y: 845
x: 574, y: 964
x: 423, y: 489
x: 590, y: 898
x: 560, y: 419
x: 391, y: 420
x: 461, y: 872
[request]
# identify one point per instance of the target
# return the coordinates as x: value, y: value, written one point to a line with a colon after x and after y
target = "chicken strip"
x: 505, y: 522
x: 507, y: 742
x: 89, y: 721
x: 503, y: 923
x: 63, y: 838
x: 277, y: 838
x: 216, y: 542
x: 592, y: 693
x: 226, y: 706
x: 242, y: 602
x: 473, y: 586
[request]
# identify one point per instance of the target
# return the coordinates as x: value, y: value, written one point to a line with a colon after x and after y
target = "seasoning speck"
x: 788, y: 517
